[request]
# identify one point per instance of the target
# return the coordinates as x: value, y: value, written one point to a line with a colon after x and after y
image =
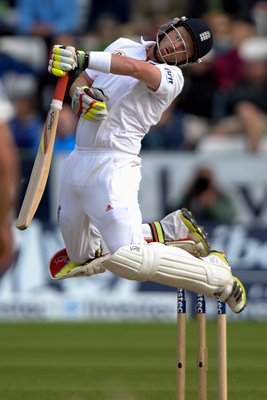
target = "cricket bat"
x: 42, y: 163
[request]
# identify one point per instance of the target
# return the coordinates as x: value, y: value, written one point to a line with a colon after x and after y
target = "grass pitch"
x: 123, y: 361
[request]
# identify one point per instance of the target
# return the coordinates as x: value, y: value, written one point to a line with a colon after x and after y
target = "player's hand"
x: 62, y: 60
x: 90, y: 103
x: 6, y: 247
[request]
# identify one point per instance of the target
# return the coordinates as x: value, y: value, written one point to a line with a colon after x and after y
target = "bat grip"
x: 61, y: 87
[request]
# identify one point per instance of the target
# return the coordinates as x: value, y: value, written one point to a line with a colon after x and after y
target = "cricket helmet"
x: 199, y: 32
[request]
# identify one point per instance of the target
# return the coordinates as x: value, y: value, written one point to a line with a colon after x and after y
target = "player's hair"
x: 199, y: 32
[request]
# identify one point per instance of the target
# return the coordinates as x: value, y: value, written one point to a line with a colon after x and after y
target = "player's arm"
x: 141, y: 70
x: 9, y: 172
x: 82, y: 80
x: 9, y: 183
x: 62, y: 62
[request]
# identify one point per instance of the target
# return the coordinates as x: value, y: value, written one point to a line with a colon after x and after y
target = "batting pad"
x: 170, y: 266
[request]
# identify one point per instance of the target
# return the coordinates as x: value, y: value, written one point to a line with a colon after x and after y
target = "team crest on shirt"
x: 169, y: 75
x: 119, y: 53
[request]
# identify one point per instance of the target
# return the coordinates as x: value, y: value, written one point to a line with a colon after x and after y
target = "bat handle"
x: 61, y: 87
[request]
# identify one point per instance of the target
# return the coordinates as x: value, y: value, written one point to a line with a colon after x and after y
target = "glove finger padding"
x: 94, y: 114
x: 100, y: 94
x: 56, y: 72
x: 87, y: 106
x: 58, y: 68
x: 89, y: 102
x: 61, y: 60
x: 60, y: 51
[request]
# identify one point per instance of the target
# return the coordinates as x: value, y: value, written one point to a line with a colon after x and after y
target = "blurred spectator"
x: 166, y: 7
x: 51, y: 19
x: 146, y: 25
x: 9, y: 183
x: 239, y: 9
x: 15, y: 64
x: 203, y: 94
x: 65, y: 138
x: 205, y: 199
x: 54, y: 21
x: 39, y: 25
x: 196, y: 101
x: 259, y: 16
x: 7, y: 17
x: 220, y: 24
x: 106, y: 29
x: 119, y: 9
x: 27, y: 123
x: 10, y: 64
x: 227, y: 63
x: 227, y: 66
x: 245, y: 108
x: 195, y: 9
x: 168, y: 134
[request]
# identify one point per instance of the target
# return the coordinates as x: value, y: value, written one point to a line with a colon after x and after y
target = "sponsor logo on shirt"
x: 169, y: 75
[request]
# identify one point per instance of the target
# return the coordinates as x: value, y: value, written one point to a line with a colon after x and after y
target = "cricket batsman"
x: 118, y: 95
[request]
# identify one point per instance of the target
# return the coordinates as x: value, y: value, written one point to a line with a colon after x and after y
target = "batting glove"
x: 61, y: 60
x: 89, y: 103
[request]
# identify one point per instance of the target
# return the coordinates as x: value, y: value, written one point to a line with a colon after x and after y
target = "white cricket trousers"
x: 98, y: 202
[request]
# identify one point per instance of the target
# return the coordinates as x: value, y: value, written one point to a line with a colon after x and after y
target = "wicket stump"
x: 202, y: 352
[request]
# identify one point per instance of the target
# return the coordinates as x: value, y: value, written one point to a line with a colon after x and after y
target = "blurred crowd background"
x: 223, y: 106
x: 207, y: 152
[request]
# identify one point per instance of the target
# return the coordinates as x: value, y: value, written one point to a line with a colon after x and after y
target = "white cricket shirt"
x: 132, y: 108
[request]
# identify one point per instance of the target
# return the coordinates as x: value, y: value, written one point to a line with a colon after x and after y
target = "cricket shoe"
x: 234, y: 294
x: 195, y: 232
x: 60, y: 266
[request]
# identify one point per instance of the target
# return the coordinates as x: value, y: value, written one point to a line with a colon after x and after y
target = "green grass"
x: 123, y: 361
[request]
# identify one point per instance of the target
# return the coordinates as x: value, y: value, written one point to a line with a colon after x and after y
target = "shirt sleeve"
x: 172, y: 82
x: 91, y: 73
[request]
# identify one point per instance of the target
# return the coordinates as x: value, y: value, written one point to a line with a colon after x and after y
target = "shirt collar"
x: 147, y: 43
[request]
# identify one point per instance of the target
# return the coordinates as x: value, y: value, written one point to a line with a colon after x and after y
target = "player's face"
x: 176, y: 46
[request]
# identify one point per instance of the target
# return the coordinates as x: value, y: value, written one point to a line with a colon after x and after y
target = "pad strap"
x: 157, y: 232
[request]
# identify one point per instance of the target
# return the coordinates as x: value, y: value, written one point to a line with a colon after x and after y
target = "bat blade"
x: 42, y: 163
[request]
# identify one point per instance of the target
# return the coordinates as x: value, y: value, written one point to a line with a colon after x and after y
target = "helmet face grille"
x: 170, y: 57
x: 199, y: 32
